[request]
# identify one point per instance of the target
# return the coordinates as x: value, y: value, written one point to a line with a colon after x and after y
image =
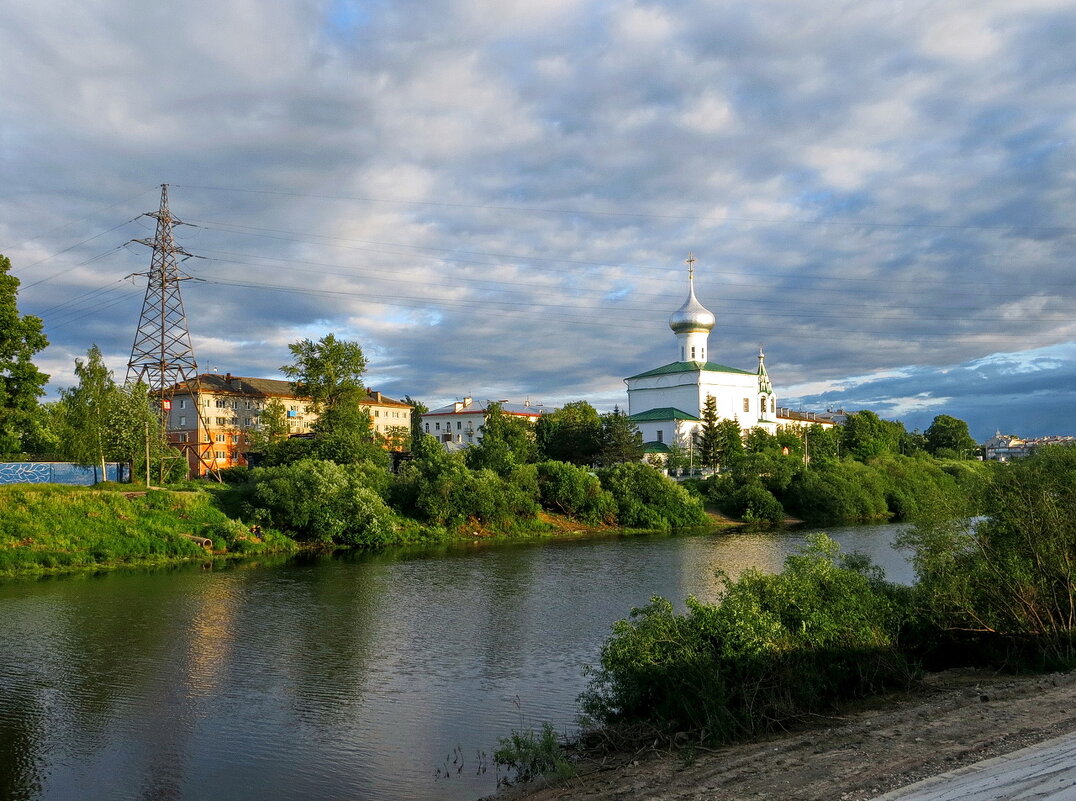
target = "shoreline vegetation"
x: 318, y: 505
x: 777, y: 650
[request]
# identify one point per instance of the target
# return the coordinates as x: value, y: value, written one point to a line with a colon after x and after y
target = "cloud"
x: 497, y: 197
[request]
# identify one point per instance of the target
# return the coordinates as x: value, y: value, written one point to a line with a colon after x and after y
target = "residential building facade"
x: 232, y: 407
x: 459, y: 425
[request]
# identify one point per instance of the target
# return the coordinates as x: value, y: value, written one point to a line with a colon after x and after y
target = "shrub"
x: 1006, y: 583
x: 323, y: 501
x: 776, y: 647
x: 529, y: 754
x: 646, y: 499
x: 575, y: 492
x: 440, y: 489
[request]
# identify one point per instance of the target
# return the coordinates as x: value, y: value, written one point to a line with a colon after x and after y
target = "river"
x: 347, y: 677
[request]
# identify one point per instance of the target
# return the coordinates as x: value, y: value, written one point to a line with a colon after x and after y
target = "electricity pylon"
x: 162, y: 355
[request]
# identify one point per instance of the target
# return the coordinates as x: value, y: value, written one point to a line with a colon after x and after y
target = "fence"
x: 61, y: 473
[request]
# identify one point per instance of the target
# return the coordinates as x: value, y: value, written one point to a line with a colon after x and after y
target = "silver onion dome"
x: 692, y: 316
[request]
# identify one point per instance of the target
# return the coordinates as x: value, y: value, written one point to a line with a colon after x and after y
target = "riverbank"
x: 951, y: 719
x: 52, y: 529
x: 48, y: 529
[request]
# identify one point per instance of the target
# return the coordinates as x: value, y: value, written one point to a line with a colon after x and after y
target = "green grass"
x: 51, y: 528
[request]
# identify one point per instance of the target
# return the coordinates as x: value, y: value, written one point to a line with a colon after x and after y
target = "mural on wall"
x: 61, y: 473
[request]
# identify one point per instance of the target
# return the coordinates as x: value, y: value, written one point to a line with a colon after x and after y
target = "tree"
x: 949, y: 436
x: 621, y: 440
x: 707, y: 441
x: 570, y: 434
x: 21, y: 383
x: 86, y: 409
x: 326, y: 371
x: 507, y: 442
x: 865, y: 435
x: 418, y: 408
x: 729, y: 442
x: 272, y: 426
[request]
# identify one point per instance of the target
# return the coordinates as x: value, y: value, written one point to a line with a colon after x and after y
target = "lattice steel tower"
x: 162, y: 355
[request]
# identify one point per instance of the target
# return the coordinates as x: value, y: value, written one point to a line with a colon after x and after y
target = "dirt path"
x: 956, y: 719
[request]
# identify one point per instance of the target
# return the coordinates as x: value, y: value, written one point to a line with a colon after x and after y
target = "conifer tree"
x: 707, y: 443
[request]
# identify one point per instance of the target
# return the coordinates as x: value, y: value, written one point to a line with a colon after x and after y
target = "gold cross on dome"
x: 690, y: 261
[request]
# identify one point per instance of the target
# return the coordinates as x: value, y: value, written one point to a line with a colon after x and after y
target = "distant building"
x: 232, y: 407
x: 666, y: 402
x: 1006, y: 447
x: 459, y: 425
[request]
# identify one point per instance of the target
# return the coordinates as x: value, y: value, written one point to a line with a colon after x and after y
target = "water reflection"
x: 346, y: 677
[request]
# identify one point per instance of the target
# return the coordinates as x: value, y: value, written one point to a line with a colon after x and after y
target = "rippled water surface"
x: 328, y: 678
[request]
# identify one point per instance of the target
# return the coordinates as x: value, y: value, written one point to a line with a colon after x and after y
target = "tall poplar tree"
x: 21, y: 383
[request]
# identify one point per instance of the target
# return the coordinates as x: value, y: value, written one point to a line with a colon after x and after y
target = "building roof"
x: 664, y: 413
x: 470, y: 406
x: 229, y: 384
x: 655, y: 447
x: 690, y: 367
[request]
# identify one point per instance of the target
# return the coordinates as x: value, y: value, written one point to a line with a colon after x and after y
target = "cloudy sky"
x: 495, y: 197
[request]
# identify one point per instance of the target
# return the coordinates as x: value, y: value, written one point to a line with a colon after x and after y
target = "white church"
x: 666, y: 403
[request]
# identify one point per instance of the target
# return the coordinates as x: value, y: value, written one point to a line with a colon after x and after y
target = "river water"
x: 353, y: 677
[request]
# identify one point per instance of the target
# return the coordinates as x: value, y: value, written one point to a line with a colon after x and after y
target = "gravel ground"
x: 955, y: 718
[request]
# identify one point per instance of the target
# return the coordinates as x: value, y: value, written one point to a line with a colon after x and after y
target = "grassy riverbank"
x: 50, y: 528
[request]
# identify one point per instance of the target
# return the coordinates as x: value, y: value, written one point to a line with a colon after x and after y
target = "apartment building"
x: 232, y: 407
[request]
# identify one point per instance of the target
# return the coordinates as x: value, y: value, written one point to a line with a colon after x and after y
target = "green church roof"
x: 655, y: 447
x: 664, y: 413
x: 690, y: 367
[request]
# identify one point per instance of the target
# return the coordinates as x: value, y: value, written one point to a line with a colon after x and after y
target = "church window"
x: 661, y: 435
x: 693, y: 354
x: 773, y: 406
x: 682, y: 355
x: 747, y: 404
x: 427, y: 428
x: 702, y: 354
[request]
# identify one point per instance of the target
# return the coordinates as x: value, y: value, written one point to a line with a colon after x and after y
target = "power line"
x: 642, y: 215
x: 77, y: 220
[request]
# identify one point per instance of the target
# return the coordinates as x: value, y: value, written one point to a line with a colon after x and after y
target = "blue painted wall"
x: 61, y: 473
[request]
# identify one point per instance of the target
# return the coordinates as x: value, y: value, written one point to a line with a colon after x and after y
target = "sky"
x: 495, y: 198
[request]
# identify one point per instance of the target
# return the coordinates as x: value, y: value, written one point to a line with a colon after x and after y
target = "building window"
x: 661, y: 435
x: 218, y: 438
x: 182, y: 403
x: 219, y: 454
x: 183, y: 419
x: 773, y: 406
x: 293, y: 408
x: 222, y: 404
x: 459, y: 425
x: 427, y: 428
x: 235, y: 439
x: 183, y: 437
x: 747, y: 404
x: 221, y: 421
x: 235, y: 404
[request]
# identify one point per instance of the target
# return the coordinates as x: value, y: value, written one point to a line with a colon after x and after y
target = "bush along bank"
x: 994, y: 593
x: 48, y: 528
x: 769, y: 487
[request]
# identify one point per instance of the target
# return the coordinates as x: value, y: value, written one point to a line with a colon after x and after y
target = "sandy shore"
x: 955, y: 718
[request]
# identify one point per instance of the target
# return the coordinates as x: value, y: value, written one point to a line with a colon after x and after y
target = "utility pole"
x: 162, y: 355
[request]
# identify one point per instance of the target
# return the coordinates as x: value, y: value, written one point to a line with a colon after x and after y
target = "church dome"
x: 692, y: 316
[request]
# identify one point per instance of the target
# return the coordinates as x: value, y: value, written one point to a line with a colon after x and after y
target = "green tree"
x: 507, y: 442
x: 823, y: 443
x: 621, y: 440
x: 729, y: 442
x: 326, y: 371
x: 949, y: 436
x: 87, y: 407
x: 865, y: 435
x: 570, y: 434
x: 418, y: 408
x: 707, y: 438
x: 21, y: 383
x: 272, y: 426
